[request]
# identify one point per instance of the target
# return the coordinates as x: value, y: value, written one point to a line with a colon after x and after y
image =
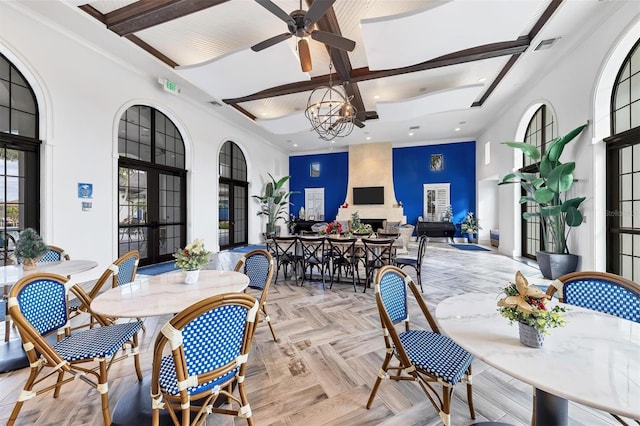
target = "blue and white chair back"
x: 54, y: 254
x: 210, y: 344
x: 127, y: 267
x: 43, y: 303
x: 599, y: 291
x: 393, y: 294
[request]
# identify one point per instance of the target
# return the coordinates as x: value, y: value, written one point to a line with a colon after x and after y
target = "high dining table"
x: 164, y: 294
x: 12, y: 356
x: 593, y: 360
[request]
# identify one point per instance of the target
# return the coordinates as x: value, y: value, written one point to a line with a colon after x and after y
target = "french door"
x: 151, y: 212
x: 232, y: 213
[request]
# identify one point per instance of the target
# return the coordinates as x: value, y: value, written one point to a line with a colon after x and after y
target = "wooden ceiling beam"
x: 363, y: 74
x: 145, y: 14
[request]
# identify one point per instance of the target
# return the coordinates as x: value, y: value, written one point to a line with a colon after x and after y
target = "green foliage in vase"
x: 193, y: 256
x: 30, y: 245
x: 274, y: 202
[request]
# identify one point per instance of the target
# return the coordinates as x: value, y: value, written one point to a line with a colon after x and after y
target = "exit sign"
x: 169, y: 86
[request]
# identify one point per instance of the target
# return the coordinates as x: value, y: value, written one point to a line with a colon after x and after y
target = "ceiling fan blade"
x: 305, y: 55
x: 273, y: 8
x: 270, y: 42
x: 358, y: 123
x: 317, y: 9
x: 333, y: 40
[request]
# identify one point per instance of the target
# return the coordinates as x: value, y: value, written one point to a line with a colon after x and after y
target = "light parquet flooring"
x: 329, y: 351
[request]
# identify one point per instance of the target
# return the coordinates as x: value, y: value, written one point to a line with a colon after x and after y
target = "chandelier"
x: 330, y: 111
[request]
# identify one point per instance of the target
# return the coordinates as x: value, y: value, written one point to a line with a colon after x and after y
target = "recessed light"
x: 295, y: 144
x: 333, y: 141
x: 482, y: 80
x: 264, y: 114
x: 376, y: 97
x: 457, y: 129
x: 410, y: 133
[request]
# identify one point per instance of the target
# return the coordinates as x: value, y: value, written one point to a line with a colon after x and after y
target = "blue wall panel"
x: 411, y: 169
x: 333, y: 178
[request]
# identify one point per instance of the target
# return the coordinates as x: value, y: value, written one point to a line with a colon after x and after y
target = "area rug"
x: 158, y: 268
x: 471, y: 247
x: 247, y: 249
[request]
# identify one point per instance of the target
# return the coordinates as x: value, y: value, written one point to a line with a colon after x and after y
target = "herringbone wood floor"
x: 329, y: 351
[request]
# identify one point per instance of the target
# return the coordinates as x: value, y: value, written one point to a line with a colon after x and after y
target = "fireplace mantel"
x: 392, y: 214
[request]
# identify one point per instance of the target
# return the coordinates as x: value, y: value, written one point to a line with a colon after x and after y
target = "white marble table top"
x: 10, y: 274
x: 165, y: 293
x: 593, y: 360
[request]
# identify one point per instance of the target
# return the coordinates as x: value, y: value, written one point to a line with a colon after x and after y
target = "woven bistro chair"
x: 602, y: 292
x: 38, y: 305
x: 258, y: 265
x: 121, y: 271
x: 414, y: 262
x: 424, y: 356
x: 210, y: 344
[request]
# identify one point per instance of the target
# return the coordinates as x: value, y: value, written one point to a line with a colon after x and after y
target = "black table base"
x: 551, y: 409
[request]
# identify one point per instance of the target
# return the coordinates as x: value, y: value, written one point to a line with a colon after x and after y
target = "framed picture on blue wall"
x: 314, y: 170
x: 437, y: 162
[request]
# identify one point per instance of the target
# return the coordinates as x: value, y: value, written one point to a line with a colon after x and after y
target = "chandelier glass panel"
x: 330, y: 111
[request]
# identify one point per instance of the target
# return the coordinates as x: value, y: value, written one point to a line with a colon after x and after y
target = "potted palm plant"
x: 470, y: 227
x: 547, y: 188
x: 274, y: 202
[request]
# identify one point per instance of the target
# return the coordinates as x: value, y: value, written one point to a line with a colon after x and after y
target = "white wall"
x: 568, y: 85
x: 82, y: 93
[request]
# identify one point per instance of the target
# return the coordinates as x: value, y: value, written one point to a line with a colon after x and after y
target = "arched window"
x: 623, y: 171
x: 540, y: 131
x: 19, y: 157
x: 151, y: 185
x: 232, y: 198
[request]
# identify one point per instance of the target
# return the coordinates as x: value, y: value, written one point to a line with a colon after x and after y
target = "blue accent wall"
x: 411, y: 170
x: 333, y: 178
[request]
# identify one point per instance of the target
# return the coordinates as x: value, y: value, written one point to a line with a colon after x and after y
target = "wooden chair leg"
x: 27, y: 388
x: 376, y: 385
x: 266, y: 317
x: 104, y: 394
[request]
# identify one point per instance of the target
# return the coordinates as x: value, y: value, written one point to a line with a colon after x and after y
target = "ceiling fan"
x: 300, y: 24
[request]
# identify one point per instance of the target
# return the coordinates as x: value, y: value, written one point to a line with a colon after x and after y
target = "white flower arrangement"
x: 193, y: 256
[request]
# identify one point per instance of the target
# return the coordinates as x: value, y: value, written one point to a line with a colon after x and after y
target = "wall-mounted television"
x: 368, y: 195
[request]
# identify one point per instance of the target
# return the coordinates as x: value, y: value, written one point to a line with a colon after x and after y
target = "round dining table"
x: 12, y: 356
x: 593, y: 360
x: 164, y: 294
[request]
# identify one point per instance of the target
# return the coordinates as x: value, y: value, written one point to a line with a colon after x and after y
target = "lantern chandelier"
x: 330, y: 111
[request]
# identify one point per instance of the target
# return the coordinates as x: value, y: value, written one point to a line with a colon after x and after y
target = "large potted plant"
x: 274, y: 202
x: 470, y: 227
x: 547, y: 188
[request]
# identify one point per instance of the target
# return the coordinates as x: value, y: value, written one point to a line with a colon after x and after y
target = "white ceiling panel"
x: 390, y: 42
x: 431, y: 103
x: 293, y: 123
x: 233, y: 75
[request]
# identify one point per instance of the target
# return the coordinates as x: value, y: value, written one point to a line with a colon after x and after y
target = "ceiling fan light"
x: 305, y: 54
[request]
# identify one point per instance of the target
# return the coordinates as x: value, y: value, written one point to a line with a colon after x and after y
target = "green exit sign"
x: 169, y: 86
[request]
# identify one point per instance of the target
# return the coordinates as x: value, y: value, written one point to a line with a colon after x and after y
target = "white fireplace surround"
x: 372, y: 165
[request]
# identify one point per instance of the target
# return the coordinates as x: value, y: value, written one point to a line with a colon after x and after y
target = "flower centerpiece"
x: 527, y: 305
x: 191, y: 259
x: 29, y: 248
x: 359, y: 228
x: 334, y: 227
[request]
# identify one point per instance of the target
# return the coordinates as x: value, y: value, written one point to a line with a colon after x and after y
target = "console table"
x: 436, y: 229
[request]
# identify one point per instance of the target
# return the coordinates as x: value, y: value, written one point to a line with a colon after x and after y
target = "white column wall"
x: 82, y: 93
x: 568, y: 85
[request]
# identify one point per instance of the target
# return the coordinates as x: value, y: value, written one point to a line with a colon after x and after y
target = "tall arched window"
x: 232, y: 198
x: 540, y: 131
x: 151, y: 185
x: 623, y: 171
x: 19, y: 157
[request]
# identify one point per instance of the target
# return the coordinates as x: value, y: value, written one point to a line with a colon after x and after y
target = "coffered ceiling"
x: 422, y: 71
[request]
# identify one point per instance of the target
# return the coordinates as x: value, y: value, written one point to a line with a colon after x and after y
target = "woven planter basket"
x: 529, y: 336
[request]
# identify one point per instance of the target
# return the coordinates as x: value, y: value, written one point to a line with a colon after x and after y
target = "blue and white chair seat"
x: 169, y: 382
x: 97, y: 342
x: 436, y: 354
